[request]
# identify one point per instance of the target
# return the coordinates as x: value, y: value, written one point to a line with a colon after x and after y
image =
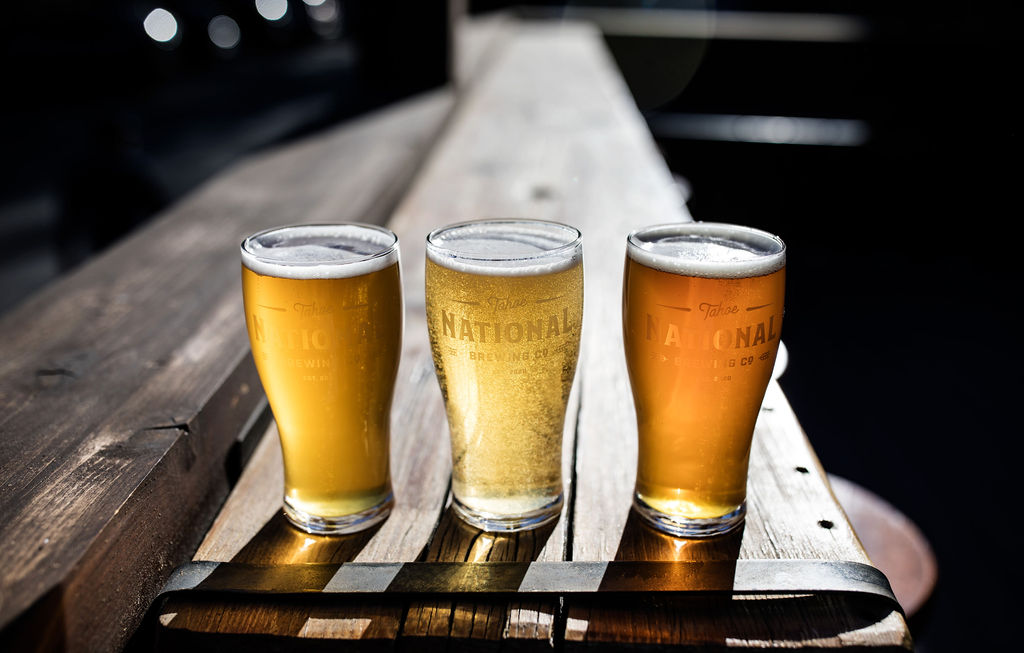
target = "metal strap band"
x: 534, y: 579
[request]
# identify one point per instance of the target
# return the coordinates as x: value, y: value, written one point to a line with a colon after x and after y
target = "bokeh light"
x: 272, y: 10
x: 224, y: 32
x: 160, y: 25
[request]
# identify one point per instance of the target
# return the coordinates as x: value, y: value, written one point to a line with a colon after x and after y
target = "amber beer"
x: 702, y: 314
x: 504, y: 310
x: 323, y: 307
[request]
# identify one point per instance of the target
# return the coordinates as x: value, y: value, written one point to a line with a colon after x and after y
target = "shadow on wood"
x: 433, y: 624
x: 273, y: 621
x: 721, y: 621
x: 711, y: 619
x: 642, y: 542
x: 278, y: 542
x: 41, y: 628
x: 298, y: 623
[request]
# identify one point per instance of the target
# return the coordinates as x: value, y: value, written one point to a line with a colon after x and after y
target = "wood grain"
x: 124, y: 386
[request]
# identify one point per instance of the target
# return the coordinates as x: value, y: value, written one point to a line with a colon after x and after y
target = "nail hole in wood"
x: 542, y: 193
x: 826, y: 524
x: 803, y: 470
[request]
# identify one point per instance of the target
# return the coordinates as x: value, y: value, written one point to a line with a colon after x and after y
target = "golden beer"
x: 504, y: 311
x: 323, y: 308
x: 702, y: 315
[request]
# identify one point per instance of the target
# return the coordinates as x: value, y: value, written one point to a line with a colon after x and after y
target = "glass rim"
x: 449, y: 252
x: 769, y: 257
x: 385, y: 250
x: 708, y: 228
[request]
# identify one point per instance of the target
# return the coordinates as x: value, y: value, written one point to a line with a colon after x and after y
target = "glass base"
x: 683, y: 527
x: 486, y: 521
x: 341, y: 524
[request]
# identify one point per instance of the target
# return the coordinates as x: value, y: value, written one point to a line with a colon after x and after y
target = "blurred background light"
x: 224, y: 32
x: 324, y: 11
x: 762, y: 129
x: 160, y: 25
x: 325, y: 16
x: 272, y: 10
x: 667, y: 22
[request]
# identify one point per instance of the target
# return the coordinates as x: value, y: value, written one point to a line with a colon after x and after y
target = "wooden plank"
x: 124, y: 385
x: 477, y: 42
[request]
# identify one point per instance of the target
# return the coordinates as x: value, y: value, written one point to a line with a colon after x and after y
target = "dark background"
x: 901, y: 321
x: 102, y: 126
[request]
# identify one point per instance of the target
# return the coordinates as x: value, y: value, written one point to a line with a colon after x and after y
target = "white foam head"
x: 506, y: 247
x: 707, y: 249
x: 320, y: 251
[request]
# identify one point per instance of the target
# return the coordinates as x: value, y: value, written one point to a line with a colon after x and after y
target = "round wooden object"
x: 894, y: 543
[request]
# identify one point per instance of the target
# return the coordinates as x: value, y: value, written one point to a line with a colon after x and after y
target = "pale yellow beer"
x: 702, y: 316
x: 504, y: 311
x: 323, y: 308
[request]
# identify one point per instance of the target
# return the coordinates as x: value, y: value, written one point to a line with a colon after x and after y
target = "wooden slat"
x: 125, y: 385
x: 477, y: 42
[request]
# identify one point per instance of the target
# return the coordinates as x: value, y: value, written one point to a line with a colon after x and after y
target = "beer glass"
x: 323, y: 308
x: 504, y: 302
x: 702, y: 314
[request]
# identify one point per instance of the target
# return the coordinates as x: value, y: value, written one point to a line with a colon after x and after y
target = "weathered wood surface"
x: 547, y: 130
x: 125, y: 386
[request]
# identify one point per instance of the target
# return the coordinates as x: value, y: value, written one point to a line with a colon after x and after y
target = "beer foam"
x: 707, y: 249
x: 505, y: 247
x: 320, y: 251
